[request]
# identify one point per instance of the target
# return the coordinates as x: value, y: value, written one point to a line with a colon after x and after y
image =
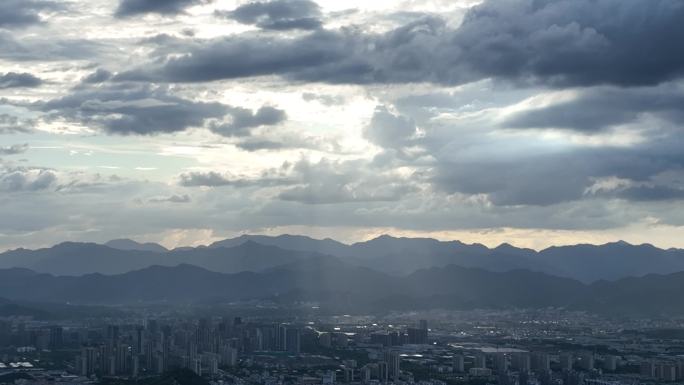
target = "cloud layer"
x: 206, y: 118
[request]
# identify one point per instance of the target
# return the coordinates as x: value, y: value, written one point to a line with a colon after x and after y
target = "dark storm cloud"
x: 571, y: 42
x: 243, y: 120
x: 14, y: 149
x: 20, y: 13
x: 558, y: 43
x: 125, y: 109
x: 278, y: 14
x: 556, y: 177
x: 287, y: 140
x: 651, y: 193
x: 45, y: 48
x: 129, y: 8
x: 598, y: 109
x: 250, y: 55
x: 133, y: 109
x: 99, y: 76
x: 18, y: 80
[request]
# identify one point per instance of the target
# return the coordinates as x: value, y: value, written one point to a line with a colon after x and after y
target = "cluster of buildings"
x: 344, y: 350
x: 202, y: 346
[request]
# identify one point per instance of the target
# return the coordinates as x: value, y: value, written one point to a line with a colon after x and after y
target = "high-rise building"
x: 667, y: 372
x: 587, y: 361
x: 88, y: 360
x: 112, y: 334
x: 135, y: 366
x: 521, y: 362
x: 540, y: 362
x: 56, y: 337
x: 566, y: 361
x: 281, y: 337
x: 501, y: 363
x: 417, y: 336
x: 610, y: 363
x: 228, y: 355
x: 366, y: 374
x: 383, y: 371
x: 139, y: 340
x: 393, y: 360
x: 348, y: 374
x: 423, y: 324
x: 458, y: 363
x: 196, y: 366
x: 292, y: 340
x: 325, y: 340
x: 648, y: 369
x: 122, y: 358
x: 480, y: 361
x: 523, y: 378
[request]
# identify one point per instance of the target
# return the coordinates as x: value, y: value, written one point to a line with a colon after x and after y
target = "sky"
x: 532, y: 122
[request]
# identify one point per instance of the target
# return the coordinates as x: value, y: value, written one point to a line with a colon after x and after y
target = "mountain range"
x: 389, y: 255
x: 339, y: 286
x: 384, y: 273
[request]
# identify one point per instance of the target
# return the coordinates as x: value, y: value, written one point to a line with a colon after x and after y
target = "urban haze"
x: 328, y: 192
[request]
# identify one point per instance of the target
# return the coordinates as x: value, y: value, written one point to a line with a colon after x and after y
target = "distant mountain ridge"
x: 74, y: 259
x: 386, y: 254
x: 337, y: 285
x: 128, y: 244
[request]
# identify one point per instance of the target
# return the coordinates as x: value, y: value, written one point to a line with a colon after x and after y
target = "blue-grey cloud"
x: 556, y: 177
x: 46, y: 48
x: 242, y: 121
x: 10, y: 124
x: 322, y: 182
x: 278, y: 14
x: 132, y: 109
x: 651, y: 193
x: 185, y: 198
x: 21, y: 13
x: 99, y: 76
x: 128, y: 8
x: 389, y: 130
x: 557, y: 43
x: 14, y: 149
x: 18, y: 179
x: 597, y: 109
x: 126, y: 109
x: 19, y: 80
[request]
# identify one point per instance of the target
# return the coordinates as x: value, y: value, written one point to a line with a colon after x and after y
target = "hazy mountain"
x: 402, y: 256
x: 389, y: 255
x: 650, y: 294
x: 128, y: 244
x: 290, y: 242
x: 191, y: 283
x: 72, y: 258
x: 248, y: 256
x: 610, y: 261
x: 336, y: 284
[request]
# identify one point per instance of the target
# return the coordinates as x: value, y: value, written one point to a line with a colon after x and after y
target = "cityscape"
x: 475, y: 347
x: 341, y: 192
x: 170, y: 332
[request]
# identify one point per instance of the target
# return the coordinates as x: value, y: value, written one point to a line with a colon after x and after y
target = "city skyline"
x: 534, y: 123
